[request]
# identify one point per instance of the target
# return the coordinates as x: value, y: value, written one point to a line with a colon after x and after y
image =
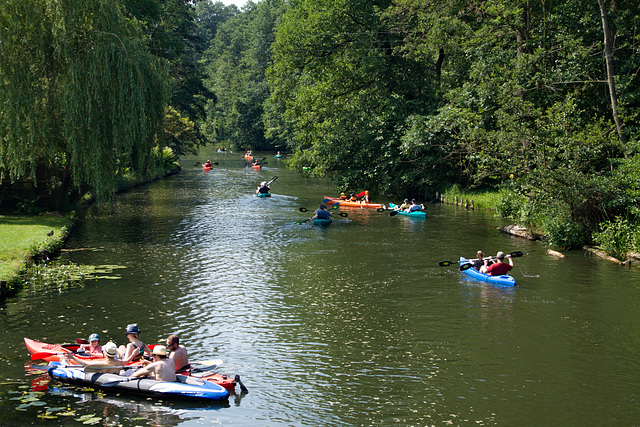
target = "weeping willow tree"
x: 79, y: 92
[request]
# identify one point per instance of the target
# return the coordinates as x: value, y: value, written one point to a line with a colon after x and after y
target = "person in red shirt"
x: 500, y: 267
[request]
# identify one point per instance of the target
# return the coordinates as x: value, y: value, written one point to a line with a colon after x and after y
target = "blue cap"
x: 94, y: 337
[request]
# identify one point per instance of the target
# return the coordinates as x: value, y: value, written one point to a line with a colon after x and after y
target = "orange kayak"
x: 346, y: 204
x: 256, y: 166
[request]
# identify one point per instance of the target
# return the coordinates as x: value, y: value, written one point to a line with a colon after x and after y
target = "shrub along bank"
x: 618, y: 237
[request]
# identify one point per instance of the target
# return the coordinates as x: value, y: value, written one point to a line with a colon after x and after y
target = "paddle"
x: 116, y: 382
x: 515, y: 254
x: 272, y: 179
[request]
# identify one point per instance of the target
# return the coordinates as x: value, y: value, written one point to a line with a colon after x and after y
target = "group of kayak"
x: 87, y: 363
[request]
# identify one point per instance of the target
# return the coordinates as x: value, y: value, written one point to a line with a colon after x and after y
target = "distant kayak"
x: 256, y: 166
x: 344, y: 203
x: 206, y: 168
x: 504, y: 280
x: 414, y: 214
x: 263, y: 195
x: 278, y: 156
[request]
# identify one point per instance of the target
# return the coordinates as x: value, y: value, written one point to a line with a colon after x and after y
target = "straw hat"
x: 160, y: 350
x: 110, y: 349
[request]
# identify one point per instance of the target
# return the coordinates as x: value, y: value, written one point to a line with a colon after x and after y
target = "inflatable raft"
x: 187, y: 387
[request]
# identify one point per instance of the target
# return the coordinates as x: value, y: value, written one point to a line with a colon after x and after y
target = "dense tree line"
x: 94, y: 90
x: 540, y: 99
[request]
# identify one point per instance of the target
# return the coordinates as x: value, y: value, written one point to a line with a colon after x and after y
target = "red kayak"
x: 206, y: 168
x: 256, y: 166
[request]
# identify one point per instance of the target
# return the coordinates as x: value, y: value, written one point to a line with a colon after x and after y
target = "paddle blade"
x: 335, y: 205
x: 361, y: 194
x: 303, y: 210
x: 81, y: 341
x: 393, y: 213
x: 216, y: 362
x: 516, y: 254
x: 464, y: 267
x: 380, y: 210
x: 445, y: 263
x: 343, y: 214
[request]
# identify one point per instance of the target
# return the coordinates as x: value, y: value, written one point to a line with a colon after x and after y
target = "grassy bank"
x: 481, y: 199
x: 22, y: 237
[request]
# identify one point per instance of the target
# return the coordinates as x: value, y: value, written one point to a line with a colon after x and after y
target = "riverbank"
x: 25, y: 239
x: 503, y: 203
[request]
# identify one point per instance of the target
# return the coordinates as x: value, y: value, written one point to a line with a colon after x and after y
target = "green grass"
x: 486, y: 199
x: 23, y: 236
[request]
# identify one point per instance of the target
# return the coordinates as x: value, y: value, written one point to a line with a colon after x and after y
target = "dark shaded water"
x: 353, y: 324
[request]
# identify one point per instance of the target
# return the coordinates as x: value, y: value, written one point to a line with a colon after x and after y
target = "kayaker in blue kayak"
x: 263, y: 188
x: 500, y: 267
x: 415, y: 206
x: 178, y: 353
x: 321, y: 213
x: 161, y: 369
x: 478, y: 262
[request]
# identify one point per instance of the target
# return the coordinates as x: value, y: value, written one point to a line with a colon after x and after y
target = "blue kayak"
x: 187, y: 387
x: 414, y: 214
x: 322, y: 221
x: 263, y: 195
x: 504, y: 280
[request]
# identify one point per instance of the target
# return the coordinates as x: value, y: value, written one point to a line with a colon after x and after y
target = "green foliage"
x: 179, y: 133
x: 90, y: 101
x: 618, y: 237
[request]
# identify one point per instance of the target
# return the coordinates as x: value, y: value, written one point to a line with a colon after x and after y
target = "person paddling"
x: 500, y: 267
x: 321, y: 213
x: 263, y: 188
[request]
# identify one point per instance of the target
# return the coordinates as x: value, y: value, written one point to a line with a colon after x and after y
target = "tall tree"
x: 78, y: 90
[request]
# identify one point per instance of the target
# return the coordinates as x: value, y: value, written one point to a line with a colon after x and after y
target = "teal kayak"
x: 504, y: 280
x: 414, y: 214
x: 322, y: 221
x: 263, y: 195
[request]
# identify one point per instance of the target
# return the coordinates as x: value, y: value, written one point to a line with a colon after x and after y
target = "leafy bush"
x: 617, y: 237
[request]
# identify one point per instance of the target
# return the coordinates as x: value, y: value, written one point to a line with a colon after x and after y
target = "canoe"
x: 414, y: 214
x: 504, y: 280
x: 344, y: 203
x: 256, y: 166
x: 187, y: 387
x: 263, y: 195
x: 322, y: 221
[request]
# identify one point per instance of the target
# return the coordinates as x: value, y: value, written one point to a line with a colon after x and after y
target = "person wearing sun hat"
x: 161, y: 369
x: 93, y: 348
x: 136, y: 348
x: 109, y: 350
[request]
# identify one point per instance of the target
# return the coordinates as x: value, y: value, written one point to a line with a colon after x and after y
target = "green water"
x: 351, y: 324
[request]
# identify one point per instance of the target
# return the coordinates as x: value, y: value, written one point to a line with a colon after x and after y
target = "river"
x: 351, y: 324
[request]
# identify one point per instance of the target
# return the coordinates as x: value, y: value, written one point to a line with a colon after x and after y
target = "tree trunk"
x: 608, y: 43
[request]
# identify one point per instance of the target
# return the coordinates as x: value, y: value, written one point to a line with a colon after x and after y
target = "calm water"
x: 354, y: 324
